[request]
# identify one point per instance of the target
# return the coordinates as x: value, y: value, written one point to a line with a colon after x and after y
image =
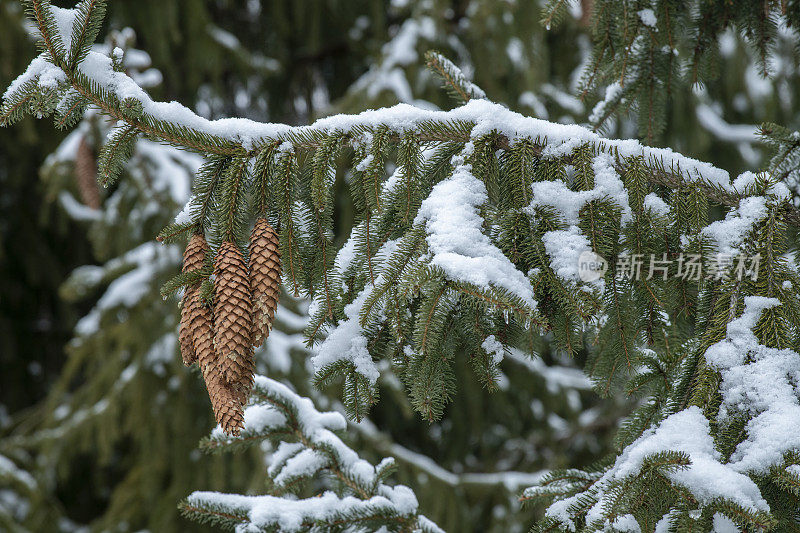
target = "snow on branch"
x: 453, y: 77
x: 457, y: 245
x: 680, y: 451
x: 390, y: 509
x: 761, y: 381
x: 50, y: 79
x: 682, y: 458
x: 307, y: 446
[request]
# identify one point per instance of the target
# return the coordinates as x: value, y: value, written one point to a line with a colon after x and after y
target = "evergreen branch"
x: 200, y: 138
x: 184, y: 279
x: 117, y: 149
x: 172, y: 232
x: 305, y: 435
x: 85, y: 29
x: 553, y: 13
x: 232, y: 200
x: 452, y: 76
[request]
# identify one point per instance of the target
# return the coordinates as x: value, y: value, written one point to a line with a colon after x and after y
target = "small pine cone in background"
x: 225, y: 400
x: 233, y: 319
x: 193, y: 259
x: 86, y: 175
x: 265, y: 278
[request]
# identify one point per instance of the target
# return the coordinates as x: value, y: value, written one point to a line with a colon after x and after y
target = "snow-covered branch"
x: 307, y: 446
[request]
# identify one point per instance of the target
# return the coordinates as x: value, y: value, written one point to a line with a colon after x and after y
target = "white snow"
x: 127, y: 290
x: 347, y: 253
x: 65, y: 18
x: 568, y: 203
x: 648, y: 17
x: 663, y: 525
x: 8, y: 468
x: 317, y: 449
x: 564, y: 247
x: 38, y: 69
x: 608, y: 183
x: 529, y: 99
x: 723, y: 524
x: 487, y: 116
x: 77, y: 210
x: 612, y: 92
x: 760, y: 382
x: 494, y: 348
x: 347, y: 342
x: 399, y: 52
x: 557, y: 195
x: 452, y: 221
x: 460, y: 79
x: 728, y: 234
x: 564, y: 99
x: 721, y: 129
x: 258, y: 418
x: 186, y: 214
x: 317, y: 428
x: 267, y: 512
x: 658, y: 206
x: 707, y: 478
x: 292, y: 461
x: 748, y: 178
x: 555, y: 377
x: 627, y: 524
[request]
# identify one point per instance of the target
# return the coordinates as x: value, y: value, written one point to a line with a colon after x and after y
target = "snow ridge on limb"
x: 307, y: 446
x: 97, y: 80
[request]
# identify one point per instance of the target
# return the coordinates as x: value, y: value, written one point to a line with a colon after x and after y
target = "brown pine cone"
x: 225, y: 400
x: 265, y: 278
x: 233, y: 319
x: 193, y: 259
x: 86, y: 175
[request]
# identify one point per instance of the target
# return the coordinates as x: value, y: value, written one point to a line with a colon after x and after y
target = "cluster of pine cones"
x: 221, y: 340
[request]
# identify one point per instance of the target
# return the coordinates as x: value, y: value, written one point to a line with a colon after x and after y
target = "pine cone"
x: 86, y: 175
x: 233, y: 319
x: 265, y: 278
x: 225, y: 400
x: 193, y: 259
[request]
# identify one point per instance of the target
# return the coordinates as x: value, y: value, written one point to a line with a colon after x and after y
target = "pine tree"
x: 471, y: 246
x: 532, y: 437
x: 696, y: 76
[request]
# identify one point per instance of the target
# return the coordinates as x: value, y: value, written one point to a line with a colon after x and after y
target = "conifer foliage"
x: 308, y: 448
x: 475, y: 233
x: 646, y: 53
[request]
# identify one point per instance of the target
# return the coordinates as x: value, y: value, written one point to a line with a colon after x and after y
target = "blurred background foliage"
x: 99, y: 420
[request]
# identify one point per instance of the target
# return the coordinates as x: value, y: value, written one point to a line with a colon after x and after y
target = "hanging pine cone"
x: 265, y: 278
x: 233, y: 319
x: 193, y: 259
x: 86, y: 175
x: 225, y: 400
